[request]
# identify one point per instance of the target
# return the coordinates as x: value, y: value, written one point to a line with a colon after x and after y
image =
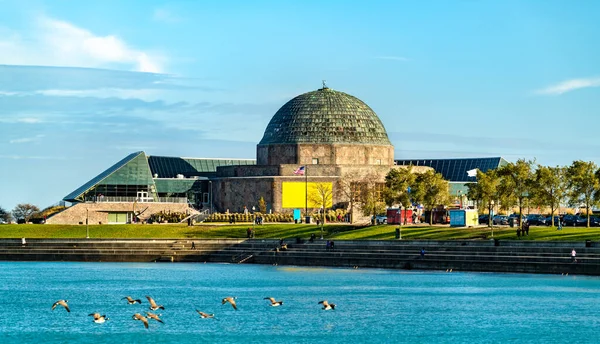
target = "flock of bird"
x: 101, y: 318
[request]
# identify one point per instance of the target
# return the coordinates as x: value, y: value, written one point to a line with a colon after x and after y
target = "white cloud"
x: 26, y: 139
x: 393, y: 58
x: 53, y: 42
x: 569, y: 85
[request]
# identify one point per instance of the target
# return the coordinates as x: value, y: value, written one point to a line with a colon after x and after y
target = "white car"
x: 380, y: 219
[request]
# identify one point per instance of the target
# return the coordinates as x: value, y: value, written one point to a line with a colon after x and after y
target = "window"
x: 315, y: 161
x: 378, y: 162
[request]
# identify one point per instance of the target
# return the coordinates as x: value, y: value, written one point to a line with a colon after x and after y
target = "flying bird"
x: 205, y: 315
x: 273, y: 302
x: 62, y: 303
x: 132, y: 301
x: 230, y: 300
x: 154, y: 316
x: 326, y: 305
x: 153, y: 305
x: 99, y: 319
x: 138, y: 316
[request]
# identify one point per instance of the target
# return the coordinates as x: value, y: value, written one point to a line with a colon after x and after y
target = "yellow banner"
x: 293, y: 194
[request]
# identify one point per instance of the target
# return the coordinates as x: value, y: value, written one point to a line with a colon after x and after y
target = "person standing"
x: 574, y: 256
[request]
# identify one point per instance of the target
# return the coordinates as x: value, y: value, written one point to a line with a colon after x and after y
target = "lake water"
x: 375, y: 306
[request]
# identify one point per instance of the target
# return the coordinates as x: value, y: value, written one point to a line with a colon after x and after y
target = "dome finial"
x: 325, y: 85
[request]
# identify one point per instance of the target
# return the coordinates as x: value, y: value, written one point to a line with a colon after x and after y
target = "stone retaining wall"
x: 98, y: 212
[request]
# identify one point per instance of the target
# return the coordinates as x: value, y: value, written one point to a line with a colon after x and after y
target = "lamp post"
x: 492, y: 219
x: 322, y: 220
x: 253, y: 218
x: 210, y: 196
x: 87, y: 220
x: 400, y: 224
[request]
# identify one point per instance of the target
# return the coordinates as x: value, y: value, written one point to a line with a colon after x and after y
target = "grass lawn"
x: 333, y: 231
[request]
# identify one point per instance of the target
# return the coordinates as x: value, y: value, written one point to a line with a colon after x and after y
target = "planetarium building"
x: 314, y: 141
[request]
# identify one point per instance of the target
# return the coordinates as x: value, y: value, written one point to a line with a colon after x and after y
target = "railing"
x: 116, y: 199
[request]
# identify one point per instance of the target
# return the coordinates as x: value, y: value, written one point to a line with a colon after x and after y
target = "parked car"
x: 574, y: 220
x: 380, y: 219
x: 484, y: 219
x: 500, y: 220
x: 536, y: 220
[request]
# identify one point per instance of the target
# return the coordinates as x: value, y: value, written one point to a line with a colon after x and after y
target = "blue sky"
x: 84, y: 83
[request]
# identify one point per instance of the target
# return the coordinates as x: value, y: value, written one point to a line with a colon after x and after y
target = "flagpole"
x: 305, y: 192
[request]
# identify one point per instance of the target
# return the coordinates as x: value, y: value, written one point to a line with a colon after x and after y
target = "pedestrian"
x: 414, y: 218
x: 249, y: 232
x: 574, y: 256
x: 559, y: 228
x: 23, y: 241
x: 327, y: 245
x: 518, y: 232
x: 527, y: 228
x: 331, y: 245
x: 193, y: 246
x: 422, y: 252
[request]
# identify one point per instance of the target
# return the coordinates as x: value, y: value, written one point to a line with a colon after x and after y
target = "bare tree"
x: 323, y: 197
x: 349, y: 188
x: 24, y: 211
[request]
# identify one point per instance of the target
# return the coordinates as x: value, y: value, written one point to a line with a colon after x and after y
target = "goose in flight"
x: 138, y: 316
x: 153, y: 305
x: 62, y: 303
x: 154, y: 316
x: 230, y: 300
x: 273, y: 302
x: 205, y: 315
x: 99, y: 319
x: 131, y: 301
x: 326, y: 305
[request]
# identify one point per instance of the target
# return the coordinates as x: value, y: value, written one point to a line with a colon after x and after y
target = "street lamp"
x: 87, y: 220
x: 253, y: 218
x: 491, y: 219
x: 322, y: 220
x: 210, y: 196
x: 400, y: 224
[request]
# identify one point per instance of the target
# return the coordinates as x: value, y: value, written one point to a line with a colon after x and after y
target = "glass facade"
x: 455, y: 170
x: 143, y: 178
x: 171, y: 167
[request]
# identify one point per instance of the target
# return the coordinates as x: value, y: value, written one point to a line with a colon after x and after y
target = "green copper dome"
x: 325, y: 116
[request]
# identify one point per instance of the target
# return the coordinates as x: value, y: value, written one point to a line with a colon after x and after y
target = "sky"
x: 85, y: 83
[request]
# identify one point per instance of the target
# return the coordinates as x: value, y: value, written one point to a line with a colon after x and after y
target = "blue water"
x: 375, y: 306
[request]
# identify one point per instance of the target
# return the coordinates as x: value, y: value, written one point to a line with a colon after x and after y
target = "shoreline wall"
x: 489, y: 256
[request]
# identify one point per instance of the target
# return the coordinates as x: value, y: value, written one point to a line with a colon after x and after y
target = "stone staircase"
x: 501, y: 256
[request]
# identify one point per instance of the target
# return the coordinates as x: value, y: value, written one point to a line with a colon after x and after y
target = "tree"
x: 24, y: 211
x: 516, y: 184
x: 349, y: 188
x: 432, y: 190
x: 398, y: 183
x: 323, y: 197
x: 371, y: 196
x: 5, y: 215
x: 583, y: 185
x: 485, y: 190
x: 262, y: 205
x: 549, y: 187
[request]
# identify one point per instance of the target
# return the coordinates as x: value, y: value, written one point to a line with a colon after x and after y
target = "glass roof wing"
x: 74, y: 196
x: 170, y: 167
x: 455, y: 170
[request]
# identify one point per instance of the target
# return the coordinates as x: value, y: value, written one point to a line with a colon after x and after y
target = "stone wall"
x: 233, y: 194
x: 98, y: 212
x: 328, y: 154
